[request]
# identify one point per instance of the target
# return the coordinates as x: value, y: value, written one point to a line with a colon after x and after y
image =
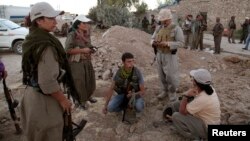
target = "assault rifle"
x: 70, y: 132
x: 12, y: 104
x: 155, y: 51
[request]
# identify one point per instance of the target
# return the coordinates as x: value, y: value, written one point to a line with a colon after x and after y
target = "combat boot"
x: 172, y: 96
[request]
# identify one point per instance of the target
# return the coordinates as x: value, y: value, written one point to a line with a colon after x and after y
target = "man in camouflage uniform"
x: 167, y: 38
x: 217, y: 32
x: 187, y: 29
x: 232, y: 28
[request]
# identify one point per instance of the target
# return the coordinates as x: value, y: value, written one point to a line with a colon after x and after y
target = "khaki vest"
x: 165, y: 34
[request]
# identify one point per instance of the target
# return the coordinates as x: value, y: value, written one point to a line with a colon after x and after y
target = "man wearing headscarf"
x: 167, y: 38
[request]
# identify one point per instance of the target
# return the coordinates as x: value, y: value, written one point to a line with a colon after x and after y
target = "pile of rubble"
x: 114, y: 42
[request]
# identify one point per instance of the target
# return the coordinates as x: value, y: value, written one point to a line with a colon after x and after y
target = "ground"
x: 230, y: 75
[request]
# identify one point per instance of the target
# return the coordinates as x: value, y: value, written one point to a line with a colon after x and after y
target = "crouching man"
x: 128, y: 84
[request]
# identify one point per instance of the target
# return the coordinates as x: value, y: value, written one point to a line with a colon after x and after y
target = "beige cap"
x: 202, y: 76
x: 165, y: 14
x: 247, y: 18
x: 43, y: 9
x: 82, y: 18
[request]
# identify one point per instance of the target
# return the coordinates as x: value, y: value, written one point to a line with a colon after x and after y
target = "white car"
x: 12, y: 35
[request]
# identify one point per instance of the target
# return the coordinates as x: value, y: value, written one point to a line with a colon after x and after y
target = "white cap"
x: 43, y: 9
x: 82, y: 18
x: 247, y: 18
x: 165, y: 14
x: 202, y: 76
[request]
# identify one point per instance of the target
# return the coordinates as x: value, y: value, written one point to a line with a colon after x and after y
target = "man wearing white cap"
x: 167, y: 39
x: 79, y: 49
x: 43, y: 102
x: 199, y: 107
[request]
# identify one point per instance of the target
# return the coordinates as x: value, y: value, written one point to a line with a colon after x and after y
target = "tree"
x: 141, y: 8
x: 167, y: 2
x: 119, y: 3
x: 108, y: 16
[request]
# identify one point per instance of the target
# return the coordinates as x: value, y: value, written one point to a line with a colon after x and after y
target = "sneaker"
x: 244, y: 48
x: 162, y: 95
x: 83, y: 106
x: 92, y: 100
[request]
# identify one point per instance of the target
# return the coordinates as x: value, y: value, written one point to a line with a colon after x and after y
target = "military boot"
x: 172, y: 96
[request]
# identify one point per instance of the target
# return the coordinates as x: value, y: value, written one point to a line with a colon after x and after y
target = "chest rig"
x: 122, y: 84
x: 165, y: 34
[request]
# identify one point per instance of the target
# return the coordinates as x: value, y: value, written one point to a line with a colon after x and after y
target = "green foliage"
x: 141, y: 8
x: 119, y: 3
x: 111, y: 15
x: 163, y: 3
x: 92, y: 14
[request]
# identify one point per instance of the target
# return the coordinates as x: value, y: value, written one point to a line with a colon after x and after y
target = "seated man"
x: 127, y: 82
x: 199, y: 107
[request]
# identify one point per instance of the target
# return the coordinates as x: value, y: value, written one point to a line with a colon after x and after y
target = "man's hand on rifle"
x: 163, y: 44
x: 66, y: 105
x: 63, y: 101
x: 155, y: 43
x: 129, y: 94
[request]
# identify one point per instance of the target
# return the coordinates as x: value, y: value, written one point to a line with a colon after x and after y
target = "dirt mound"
x: 117, y: 40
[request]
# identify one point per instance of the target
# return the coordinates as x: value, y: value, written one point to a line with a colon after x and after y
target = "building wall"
x: 215, y: 8
x: 14, y: 13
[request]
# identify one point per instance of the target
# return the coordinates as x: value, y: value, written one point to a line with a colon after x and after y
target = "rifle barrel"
x: 7, y: 93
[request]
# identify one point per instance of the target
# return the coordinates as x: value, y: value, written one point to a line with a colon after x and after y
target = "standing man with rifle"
x: 3, y: 75
x: 167, y: 39
x: 45, y: 67
x: 127, y: 79
x: 12, y: 104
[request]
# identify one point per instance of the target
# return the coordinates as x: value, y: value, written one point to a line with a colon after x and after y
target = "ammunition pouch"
x: 174, y: 51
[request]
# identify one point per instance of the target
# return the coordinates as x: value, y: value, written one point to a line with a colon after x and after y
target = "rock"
x: 106, y: 75
x: 203, y: 58
x: 134, y: 138
x: 238, y: 119
x: 121, y: 129
x: 232, y: 59
x: 152, y: 136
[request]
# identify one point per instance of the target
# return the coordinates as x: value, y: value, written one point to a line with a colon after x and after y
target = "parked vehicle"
x: 14, y: 13
x: 12, y: 35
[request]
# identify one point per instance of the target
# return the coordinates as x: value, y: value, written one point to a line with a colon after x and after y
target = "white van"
x: 12, y: 35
